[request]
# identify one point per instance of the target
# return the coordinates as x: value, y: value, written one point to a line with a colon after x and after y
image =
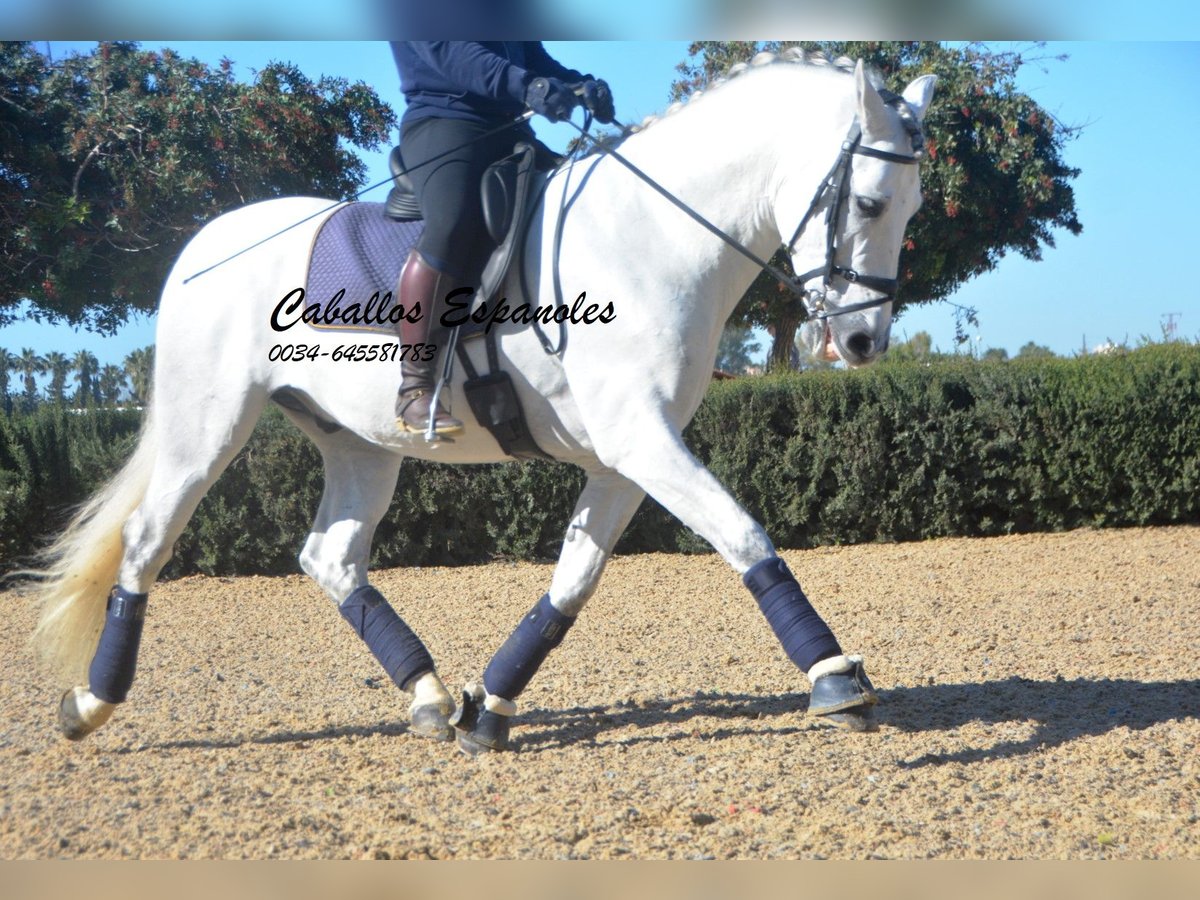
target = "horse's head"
x: 848, y: 258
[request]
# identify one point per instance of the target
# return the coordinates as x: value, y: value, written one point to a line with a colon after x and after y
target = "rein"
x: 835, y: 183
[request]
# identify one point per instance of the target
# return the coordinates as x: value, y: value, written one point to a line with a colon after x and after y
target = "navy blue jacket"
x: 477, y: 80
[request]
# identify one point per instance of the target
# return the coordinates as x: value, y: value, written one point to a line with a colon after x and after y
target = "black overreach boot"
x: 422, y: 283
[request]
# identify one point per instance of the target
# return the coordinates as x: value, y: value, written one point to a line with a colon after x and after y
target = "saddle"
x: 509, y: 190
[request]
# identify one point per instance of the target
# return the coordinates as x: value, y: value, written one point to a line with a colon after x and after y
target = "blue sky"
x: 1126, y: 276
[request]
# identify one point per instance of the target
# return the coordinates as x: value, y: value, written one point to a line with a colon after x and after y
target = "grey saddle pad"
x: 358, y: 253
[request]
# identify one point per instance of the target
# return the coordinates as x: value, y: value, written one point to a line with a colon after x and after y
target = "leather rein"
x: 836, y: 185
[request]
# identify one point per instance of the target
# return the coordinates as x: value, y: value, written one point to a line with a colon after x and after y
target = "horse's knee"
x: 310, y: 564
x: 569, y: 595
x: 332, y: 573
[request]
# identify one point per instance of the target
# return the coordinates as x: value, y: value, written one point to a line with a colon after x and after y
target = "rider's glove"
x: 598, y: 99
x: 551, y: 98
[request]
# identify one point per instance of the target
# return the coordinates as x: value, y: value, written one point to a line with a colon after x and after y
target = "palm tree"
x: 30, y: 365
x: 139, y: 365
x: 85, y: 364
x: 111, y: 383
x: 8, y: 363
x: 59, y: 366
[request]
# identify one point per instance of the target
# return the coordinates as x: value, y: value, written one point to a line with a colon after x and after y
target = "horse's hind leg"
x: 360, y: 481
x: 604, y: 508
x: 184, y: 456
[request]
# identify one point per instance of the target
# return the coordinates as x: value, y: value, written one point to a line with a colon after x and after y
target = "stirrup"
x: 444, y: 424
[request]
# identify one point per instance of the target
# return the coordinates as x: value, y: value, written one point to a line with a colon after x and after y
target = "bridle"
x: 836, y: 184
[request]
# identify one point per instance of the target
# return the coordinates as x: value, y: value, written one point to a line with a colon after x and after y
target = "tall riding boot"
x: 421, y: 283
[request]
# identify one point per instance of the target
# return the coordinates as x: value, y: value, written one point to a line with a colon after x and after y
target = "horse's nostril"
x: 860, y: 343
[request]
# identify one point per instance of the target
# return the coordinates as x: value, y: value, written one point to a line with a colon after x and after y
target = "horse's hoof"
x: 73, y: 721
x: 479, y: 730
x: 859, y: 719
x: 431, y: 721
x: 469, y: 708
x: 843, y: 699
x: 69, y: 723
x: 490, y: 735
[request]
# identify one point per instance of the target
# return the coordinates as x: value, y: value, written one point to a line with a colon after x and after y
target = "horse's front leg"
x: 664, y: 467
x: 604, y: 508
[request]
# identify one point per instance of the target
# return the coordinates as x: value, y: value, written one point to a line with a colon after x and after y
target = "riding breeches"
x: 455, y: 239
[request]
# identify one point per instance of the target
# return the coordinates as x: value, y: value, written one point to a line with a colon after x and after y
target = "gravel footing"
x: 1039, y: 698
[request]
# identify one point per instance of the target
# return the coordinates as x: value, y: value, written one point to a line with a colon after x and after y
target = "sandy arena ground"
x: 1040, y: 698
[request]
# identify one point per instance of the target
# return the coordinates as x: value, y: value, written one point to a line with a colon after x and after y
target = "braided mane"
x: 797, y: 56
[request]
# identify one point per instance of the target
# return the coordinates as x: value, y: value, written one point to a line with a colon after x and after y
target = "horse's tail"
x: 75, y: 573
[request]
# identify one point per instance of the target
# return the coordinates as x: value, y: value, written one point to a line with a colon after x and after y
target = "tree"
x: 110, y: 384
x: 30, y: 365
x: 111, y: 161
x: 8, y: 363
x: 736, y: 349
x: 139, y: 366
x: 918, y: 348
x: 1035, y: 351
x: 59, y: 366
x: 994, y: 179
x: 86, y: 366
x: 995, y: 354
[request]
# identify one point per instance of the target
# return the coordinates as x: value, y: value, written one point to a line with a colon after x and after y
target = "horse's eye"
x: 869, y: 206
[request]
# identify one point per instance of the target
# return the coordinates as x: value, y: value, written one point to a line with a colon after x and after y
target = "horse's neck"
x: 727, y: 158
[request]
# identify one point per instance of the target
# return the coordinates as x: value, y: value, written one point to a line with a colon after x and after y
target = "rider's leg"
x: 421, y: 284
x: 451, y: 252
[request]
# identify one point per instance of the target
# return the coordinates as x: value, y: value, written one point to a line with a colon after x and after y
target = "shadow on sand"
x: 1062, y: 710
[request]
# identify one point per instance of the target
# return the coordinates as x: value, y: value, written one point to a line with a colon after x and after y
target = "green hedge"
x: 958, y: 447
x: 50, y: 461
x: 904, y: 451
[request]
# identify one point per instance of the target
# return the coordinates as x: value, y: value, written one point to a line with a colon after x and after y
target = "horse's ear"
x: 872, y: 114
x: 919, y: 93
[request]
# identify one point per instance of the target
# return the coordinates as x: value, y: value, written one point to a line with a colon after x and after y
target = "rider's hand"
x: 551, y: 98
x: 598, y: 99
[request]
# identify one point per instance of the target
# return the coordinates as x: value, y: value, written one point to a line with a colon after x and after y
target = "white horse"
x: 749, y: 156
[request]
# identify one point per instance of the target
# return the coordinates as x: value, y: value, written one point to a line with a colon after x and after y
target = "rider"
x: 456, y: 92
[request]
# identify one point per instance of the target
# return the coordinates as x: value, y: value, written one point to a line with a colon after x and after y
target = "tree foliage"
x: 995, y: 180
x: 1032, y: 350
x: 139, y: 366
x: 109, y: 385
x: 111, y: 161
x: 736, y: 350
